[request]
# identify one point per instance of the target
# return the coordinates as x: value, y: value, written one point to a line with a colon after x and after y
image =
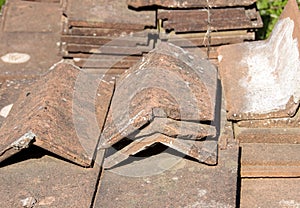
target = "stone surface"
x: 260, y: 78
x: 269, y: 193
x: 63, y: 112
x: 270, y: 160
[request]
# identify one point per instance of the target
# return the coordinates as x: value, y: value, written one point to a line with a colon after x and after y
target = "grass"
x: 270, y: 11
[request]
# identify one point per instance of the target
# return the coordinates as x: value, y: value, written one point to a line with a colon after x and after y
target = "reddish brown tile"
x: 59, y: 113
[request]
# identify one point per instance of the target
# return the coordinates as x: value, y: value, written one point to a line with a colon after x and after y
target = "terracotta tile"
x: 189, y: 3
x: 291, y: 10
x: 216, y: 38
x: 168, y: 180
x: 50, y: 181
x: 58, y: 113
x: 29, y: 61
x: 270, y: 160
x: 269, y: 193
x: 30, y: 16
x: 9, y: 93
x: 293, y: 122
x: 268, y: 135
x: 254, y: 88
x: 142, y: 95
x: 107, y: 14
x: 220, y: 19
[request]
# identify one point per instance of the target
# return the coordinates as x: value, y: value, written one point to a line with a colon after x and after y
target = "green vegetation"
x: 1, y: 3
x: 270, y: 11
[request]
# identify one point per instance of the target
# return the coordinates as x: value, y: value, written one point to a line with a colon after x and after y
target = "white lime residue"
x: 289, y: 203
x: 5, y: 110
x: 273, y: 71
x: 15, y: 58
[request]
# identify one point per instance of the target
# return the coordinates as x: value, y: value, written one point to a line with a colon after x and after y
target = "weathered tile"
x: 270, y: 160
x: 201, y: 39
x: 267, y: 135
x: 106, y: 49
x: 30, y: 16
x: 269, y: 193
x: 164, y: 178
x: 291, y: 10
x: 19, y: 59
x: 62, y: 112
x: 107, y: 14
x: 167, y: 180
x: 106, y: 61
x: 220, y: 19
x: 142, y: 94
x: 202, y: 151
x: 291, y: 122
x: 50, y: 181
x: 189, y: 3
x: 260, y: 78
x: 104, y: 32
x: 9, y: 93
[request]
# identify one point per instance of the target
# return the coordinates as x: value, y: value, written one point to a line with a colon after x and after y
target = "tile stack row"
x: 110, y: 36
x: 105, y: 36
x: 261, y: 88
x: 206, y: 24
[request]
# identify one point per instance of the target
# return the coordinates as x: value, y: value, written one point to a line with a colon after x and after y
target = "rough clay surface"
x: 260, y: 78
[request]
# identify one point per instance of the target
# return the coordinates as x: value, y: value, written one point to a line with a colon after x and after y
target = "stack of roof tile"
x: 101, y: 34
x: 98, y: 34
x: 203, y: 23
x: 261, y: 86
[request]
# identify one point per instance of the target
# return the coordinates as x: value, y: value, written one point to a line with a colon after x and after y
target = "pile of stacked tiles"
x: 261, y: 88
x: 206, y: 24
x: 102, y: 34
